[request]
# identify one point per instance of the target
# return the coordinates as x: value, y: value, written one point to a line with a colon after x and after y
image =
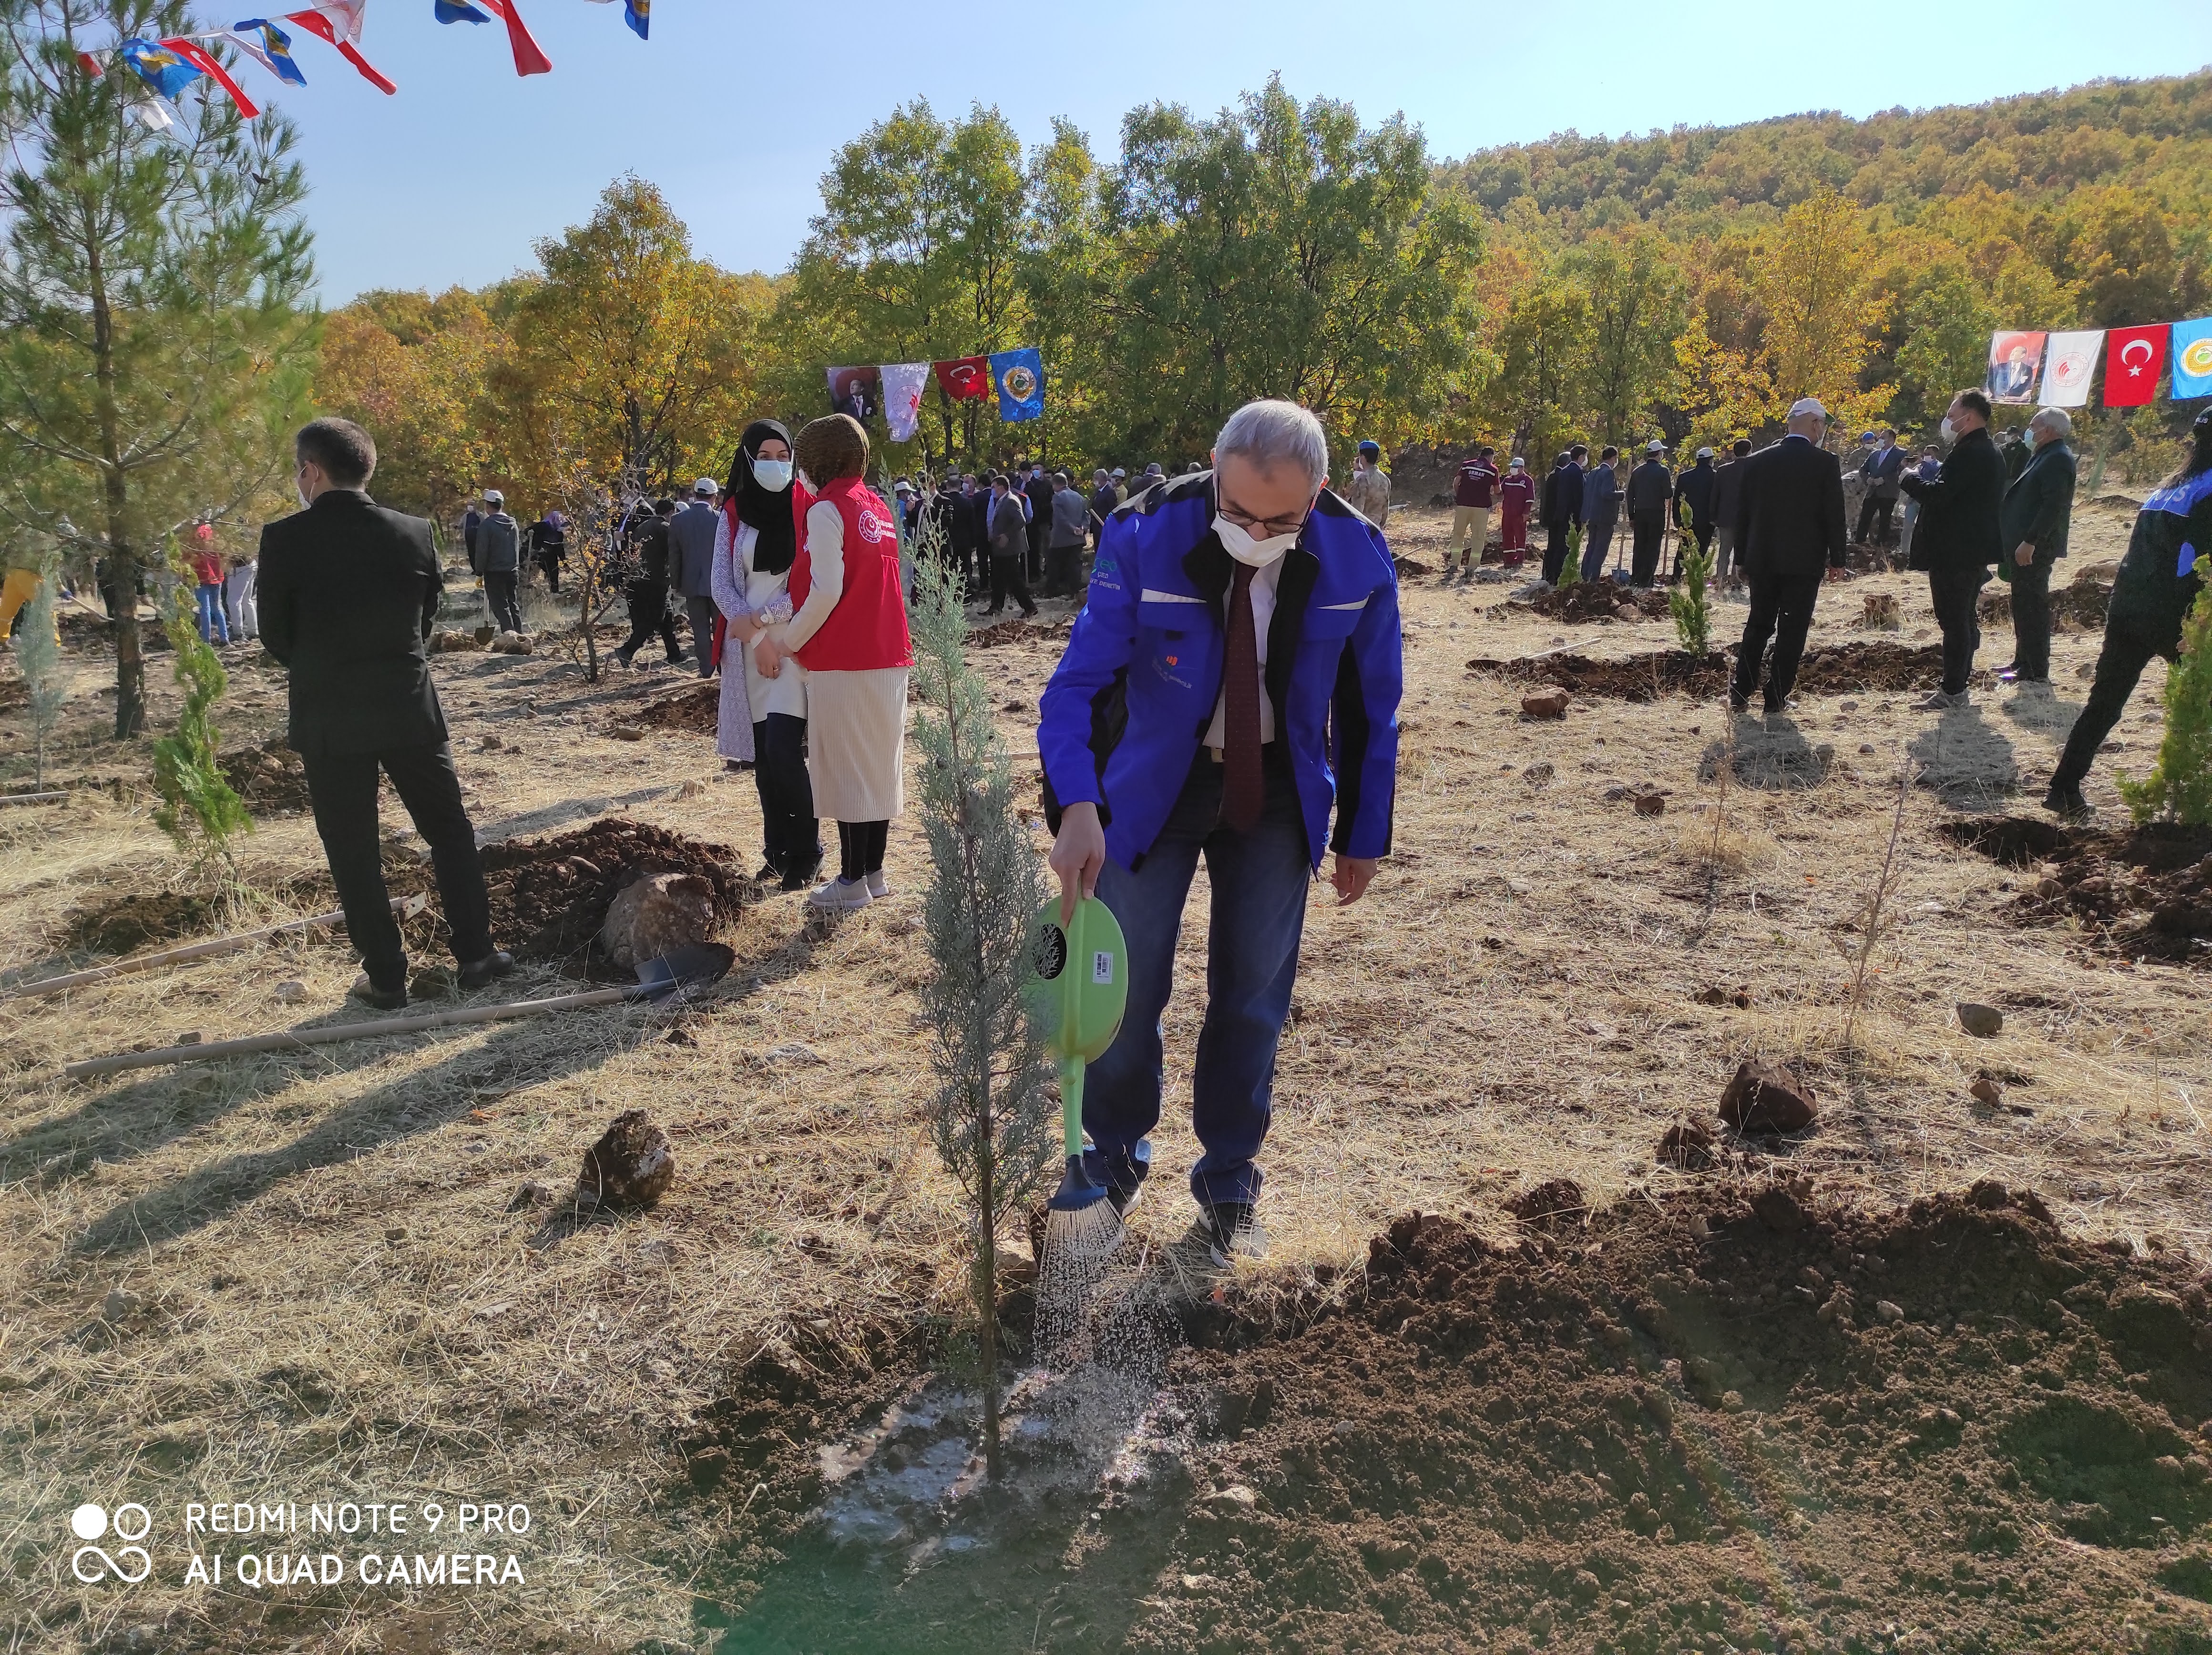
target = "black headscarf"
x: 768, y: 511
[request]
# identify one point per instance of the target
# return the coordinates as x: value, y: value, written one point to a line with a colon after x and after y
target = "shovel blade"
x: 682, y: 970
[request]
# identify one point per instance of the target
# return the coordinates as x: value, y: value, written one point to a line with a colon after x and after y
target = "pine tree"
x: 2179, y: 785
x: 1693, y: 618
x: 156, y: 327
x: 993, y: 1119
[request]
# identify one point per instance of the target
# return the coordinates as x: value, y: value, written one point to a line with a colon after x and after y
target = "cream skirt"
x: 856, y: 743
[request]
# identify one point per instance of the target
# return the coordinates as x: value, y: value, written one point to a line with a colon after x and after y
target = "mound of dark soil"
x: 124, y: 924
x: 1015, y: 631
x: 695, y: 708
x: 2080, y: 605
x: 2143, y: 892
x: 269, y: 779
x: 1857, y: 1433
x: 1841, y: 668
x: 550, y: 896
x: 1597, y: 600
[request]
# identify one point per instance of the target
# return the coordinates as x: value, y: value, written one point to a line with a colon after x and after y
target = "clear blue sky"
x: 735, y: 110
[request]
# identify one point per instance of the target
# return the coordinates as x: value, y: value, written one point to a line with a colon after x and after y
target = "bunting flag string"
x: 895, y: 389
x: 206, y: 62
x: 316, y: 21
x: 269, y: 46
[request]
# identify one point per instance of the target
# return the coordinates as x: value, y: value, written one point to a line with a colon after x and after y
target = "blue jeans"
x: 214, y: 629
x: 1260, y: 882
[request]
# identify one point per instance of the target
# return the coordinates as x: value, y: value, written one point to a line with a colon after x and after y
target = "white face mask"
x: 774, y: 475
x: 1946, y: 432
x: 1236, y: 540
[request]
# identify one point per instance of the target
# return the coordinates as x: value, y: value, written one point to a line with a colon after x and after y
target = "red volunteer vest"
x: 867, y: 628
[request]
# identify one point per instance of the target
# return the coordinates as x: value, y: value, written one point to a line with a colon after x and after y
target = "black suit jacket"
x: 1958, y: 524
x: 1790, y: 512
x: 348, y: 593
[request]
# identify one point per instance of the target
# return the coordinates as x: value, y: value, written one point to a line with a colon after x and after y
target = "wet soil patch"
x: 2143, y: 892
x: 550, y: 896
x: 1842, y: 668
x: 696, y: 709
x: 269, y: 779
x: 124, y: 924
x: 1672, y: 1424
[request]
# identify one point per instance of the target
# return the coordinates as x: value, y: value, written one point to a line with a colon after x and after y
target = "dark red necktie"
x: 1243, y: 791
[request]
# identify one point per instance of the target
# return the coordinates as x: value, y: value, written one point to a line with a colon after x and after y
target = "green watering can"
x: 1083, y: 973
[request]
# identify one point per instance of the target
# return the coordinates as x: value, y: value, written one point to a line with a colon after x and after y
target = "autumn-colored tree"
x: 1722, y: 392
x: 418, y: 373
x: 1542, y: 345
x: 630, y: 351
x: 1637, y: 315
x: 1811, y: 278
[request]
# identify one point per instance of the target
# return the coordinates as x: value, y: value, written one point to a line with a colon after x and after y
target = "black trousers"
x: 1782, y: 610
x: 499, y: 590
x: 1063, y: 571
x: 701, y: 611
x: 551, y: 563
x: 1037, y: 530
x: 791, y: 836
x: 648, y: 614
x: 2120, y: 666
x: 2031, y: 618
x: 861, y: 847
x: 1875, y: 513
x: 1008, y: 579
x: 1555, y: 549
x: 1643, y: 559
x: 342, y: 787
x: 1954, y: 593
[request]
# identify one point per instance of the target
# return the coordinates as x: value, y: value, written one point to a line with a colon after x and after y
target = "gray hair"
x: 2057, y: 420
x: 1273, y: 433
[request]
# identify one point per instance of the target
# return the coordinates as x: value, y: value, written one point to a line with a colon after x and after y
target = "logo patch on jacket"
x: 871, y: 526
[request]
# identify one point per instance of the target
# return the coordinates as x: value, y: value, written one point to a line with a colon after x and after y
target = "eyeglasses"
x: 1263, y: 528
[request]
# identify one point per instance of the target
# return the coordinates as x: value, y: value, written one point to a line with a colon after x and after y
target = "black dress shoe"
x: 475, y: 974
x: 383, y: 999
x: 2066, y: 803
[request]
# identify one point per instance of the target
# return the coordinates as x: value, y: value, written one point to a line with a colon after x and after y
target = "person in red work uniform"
x: 1472, y: 496
x: 847, y: 629
x: 1517, y: 498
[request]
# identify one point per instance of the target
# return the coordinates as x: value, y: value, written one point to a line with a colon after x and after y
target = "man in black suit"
x: 1789, y: 534
x: 348, y: 595
x: 1957, y: 537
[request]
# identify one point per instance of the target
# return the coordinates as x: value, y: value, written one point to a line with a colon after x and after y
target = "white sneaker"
x: 837, y: 896
x: 878, y: 889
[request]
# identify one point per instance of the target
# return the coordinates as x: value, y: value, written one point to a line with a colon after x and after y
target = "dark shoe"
x: 768, y: 870
x: 679, y: 660
x: 802, y: 876
x: 1031, y: 613
x: 1738, y: 701
x: 620, y: 656
x: 1229, y: 1231
x: 476, y: 973
x: 1122, y: 1200
x: 2066, y: 803
x: 383, y: 999
x: 1774, y: 709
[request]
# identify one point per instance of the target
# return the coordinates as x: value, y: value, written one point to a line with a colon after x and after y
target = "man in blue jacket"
x: 1233, y: 679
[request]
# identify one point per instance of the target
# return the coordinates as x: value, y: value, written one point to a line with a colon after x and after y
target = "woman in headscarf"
x: 763, y: 719
x: 849, y: 632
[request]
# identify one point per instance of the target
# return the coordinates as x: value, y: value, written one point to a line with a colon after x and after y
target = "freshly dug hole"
x: 550, y: 896
x: 2144, y: 892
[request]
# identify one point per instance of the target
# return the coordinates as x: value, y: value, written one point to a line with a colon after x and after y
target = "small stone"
x: 1987, y: 1091
x: 1980, y: 1021
x: 1546, y: 704
x: 489, y: 744
x: 291, y: 992
x: 1687, y: 1146
x: 1847, y: 706
x: 1651, y: 804
x: 395, y: 1233
x: 1762, y: 1098
x: 1537, y: 775
x: 531, y: 1194
x: 795, y: 1051
x: 1889, y: 1310
x: 630, y: 1165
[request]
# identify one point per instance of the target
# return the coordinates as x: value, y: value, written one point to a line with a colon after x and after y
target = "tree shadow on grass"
x: 421, y: 1102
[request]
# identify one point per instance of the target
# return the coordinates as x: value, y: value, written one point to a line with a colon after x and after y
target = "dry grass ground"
x: 302, y: 1277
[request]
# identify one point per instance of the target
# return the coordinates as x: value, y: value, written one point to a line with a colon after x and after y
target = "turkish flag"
x: 2134, y: 360
x: 965, y: 380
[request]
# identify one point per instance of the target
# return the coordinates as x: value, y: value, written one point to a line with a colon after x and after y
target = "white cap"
x: 1656, y: 446
x: 1704, y: 453
x: 705, y: 486
x: 1804, y: 405
x: 1515, y: 462
x: 495, y: 497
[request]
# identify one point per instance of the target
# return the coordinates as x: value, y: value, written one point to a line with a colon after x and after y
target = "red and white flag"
x: 965, y: 379
x: 2134, y: 361
x: 2070, y: 362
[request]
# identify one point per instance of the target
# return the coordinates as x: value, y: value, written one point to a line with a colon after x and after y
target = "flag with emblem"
x: 2192, y: 359
x: 1021, y: 383
x: 269, y: 46
x: 964, y: 378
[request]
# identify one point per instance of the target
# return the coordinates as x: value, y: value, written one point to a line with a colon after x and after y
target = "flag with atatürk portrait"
x: 964, y: 378
x: 2134, y: 359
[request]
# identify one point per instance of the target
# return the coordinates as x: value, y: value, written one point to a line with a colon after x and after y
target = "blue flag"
x: 457, y: 11
x: 638, y: 14
x: 269, y: 46
x: 159, y: 67
x: 1021, y: 383
x: 2192, y: 359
